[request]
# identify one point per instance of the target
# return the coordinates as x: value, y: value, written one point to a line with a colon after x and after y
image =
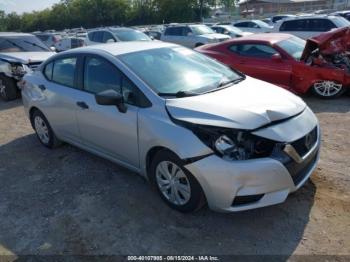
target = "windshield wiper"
x: 233, y: 82
x: 34, y: 44
x: 180, y: 94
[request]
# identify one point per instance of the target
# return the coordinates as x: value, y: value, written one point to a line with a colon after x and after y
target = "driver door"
x: 104, y: 129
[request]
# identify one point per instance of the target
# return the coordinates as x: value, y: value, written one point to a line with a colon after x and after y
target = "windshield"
x: 22, y: 44
x: 201, y: 30
x: 176, y: 69
x: 131, y: 35
x: 294, y: 46
x: 341, y: 22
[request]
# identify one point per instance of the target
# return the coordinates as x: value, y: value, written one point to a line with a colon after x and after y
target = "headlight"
x: 18, y: 70
x: 232, y: 144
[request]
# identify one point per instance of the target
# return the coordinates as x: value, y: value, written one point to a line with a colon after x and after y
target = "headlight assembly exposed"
x: 232, y: 144
x: 18, y: 70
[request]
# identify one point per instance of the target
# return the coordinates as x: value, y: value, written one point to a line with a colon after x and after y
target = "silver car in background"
x: 192, y: 35
x: 198, y: 131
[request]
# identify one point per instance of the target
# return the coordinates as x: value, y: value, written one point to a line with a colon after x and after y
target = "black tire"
x: 8, y: 88
x: 197, y: 198
x: 52, y: 140
x: 317, y: 93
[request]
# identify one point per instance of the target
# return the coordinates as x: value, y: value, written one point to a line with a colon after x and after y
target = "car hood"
x: 215, y: 36
x: 247, y: 105
x: 26, y: 57
x: 335, y: 41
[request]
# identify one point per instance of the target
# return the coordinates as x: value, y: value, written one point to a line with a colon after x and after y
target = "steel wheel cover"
x: 41, y: 130
x: 327, y: 88
x: 173, y: 183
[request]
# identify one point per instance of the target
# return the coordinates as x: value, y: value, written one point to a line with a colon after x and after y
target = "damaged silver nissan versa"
x: 200, y: 132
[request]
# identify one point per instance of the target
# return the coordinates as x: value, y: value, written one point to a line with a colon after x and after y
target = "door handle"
x: 42, y: 87
x: 82, y: 105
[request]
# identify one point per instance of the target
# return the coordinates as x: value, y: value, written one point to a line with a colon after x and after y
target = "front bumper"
x: 263, y: 182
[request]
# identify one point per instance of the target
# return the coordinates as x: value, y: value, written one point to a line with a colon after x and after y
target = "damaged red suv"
x: 321, y: 63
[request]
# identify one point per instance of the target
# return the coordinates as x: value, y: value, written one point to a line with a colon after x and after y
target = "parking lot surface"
x: 67, y: 201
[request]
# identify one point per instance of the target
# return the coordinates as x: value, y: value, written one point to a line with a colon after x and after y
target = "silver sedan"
x: 197, y: 130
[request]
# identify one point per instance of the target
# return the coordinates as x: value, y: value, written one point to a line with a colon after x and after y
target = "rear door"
x: 255, y: 60
x: 104, y: 129
x: 61, y: 93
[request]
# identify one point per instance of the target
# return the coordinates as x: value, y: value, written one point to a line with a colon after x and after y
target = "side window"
x: 185, y: 31
x: 295, y: 25
x: 91, y: 36
x: 100, y: 75
x: 320, y: 25
x: 48, y: 71
x: 253, y: 25
x: 253, y: 50
x: 64, y: 71
x: 242, y: 24
x: 97, y: 37
x: 107, y: 36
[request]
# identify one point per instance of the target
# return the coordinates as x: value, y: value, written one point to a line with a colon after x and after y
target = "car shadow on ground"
x: 10, y: 104
x: 69, y: 202
x: 337, y: 105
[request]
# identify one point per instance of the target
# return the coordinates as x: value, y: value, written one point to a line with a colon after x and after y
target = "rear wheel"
x: 44, y: 131
x: 328, y: 89
x: 8, y: 88
x: 176, y: 185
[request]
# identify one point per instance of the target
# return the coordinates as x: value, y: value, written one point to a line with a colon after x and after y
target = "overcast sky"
x: 21, y: 6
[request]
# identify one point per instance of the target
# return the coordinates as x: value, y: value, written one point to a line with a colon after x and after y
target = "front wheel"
x: 328, y: 89
x: 176, y: 185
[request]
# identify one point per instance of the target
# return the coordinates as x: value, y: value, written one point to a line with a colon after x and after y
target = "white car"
x: 253, y: 26
x: 230, y: 30
x: 192, y: 35
x: 69, y: 43
x: 115, y: 34
x: 19, y: 54
x: 308, y: 26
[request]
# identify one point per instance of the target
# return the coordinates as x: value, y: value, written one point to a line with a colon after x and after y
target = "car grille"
x: 299, y: 171
x: 34, y: 66
x: 304, y: 144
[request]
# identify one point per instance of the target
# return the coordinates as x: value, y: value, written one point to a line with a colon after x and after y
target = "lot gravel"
x: 67, y: 201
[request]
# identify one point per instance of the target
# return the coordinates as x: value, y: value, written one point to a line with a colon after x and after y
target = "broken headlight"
x: 18, y: 69
x: 232, y: 144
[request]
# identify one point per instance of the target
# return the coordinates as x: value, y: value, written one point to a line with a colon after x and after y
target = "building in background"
x: 258, y: 8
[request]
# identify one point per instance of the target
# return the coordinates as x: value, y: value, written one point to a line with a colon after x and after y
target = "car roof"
x: 8, y: 34
x: 121, y: 48
x: 271, y: 38
x: 310, y: 16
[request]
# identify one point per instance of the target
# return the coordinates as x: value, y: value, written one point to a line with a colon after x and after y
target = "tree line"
x: 96, y: 13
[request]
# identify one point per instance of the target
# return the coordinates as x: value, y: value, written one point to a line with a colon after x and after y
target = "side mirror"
x: 189, y: 34
x: 111, y: 98
x: 110, y: 41
x: 52, y: 48
x: 152, y: 37
x: 276, y: 58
